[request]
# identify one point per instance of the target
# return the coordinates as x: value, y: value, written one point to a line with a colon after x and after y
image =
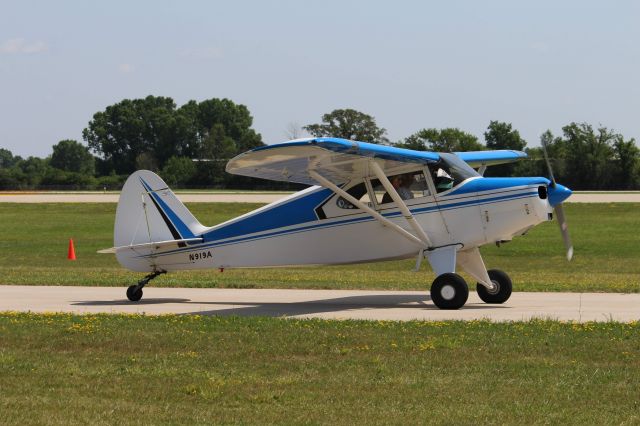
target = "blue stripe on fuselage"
x: 294, y: 212
x: 522, y: 193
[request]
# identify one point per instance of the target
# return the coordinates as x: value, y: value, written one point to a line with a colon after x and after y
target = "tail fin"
x: 149, y: 212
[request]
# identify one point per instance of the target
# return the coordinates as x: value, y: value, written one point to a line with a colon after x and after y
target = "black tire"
x: 449, y: 291
x: 503, y: 291
x: 134, y: 295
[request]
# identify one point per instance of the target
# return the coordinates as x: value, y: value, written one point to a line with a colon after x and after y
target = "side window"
x: 359, y: 192
x: 408, y: 185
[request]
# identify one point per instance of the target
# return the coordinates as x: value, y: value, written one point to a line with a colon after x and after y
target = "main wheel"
x: 134, y: 295
x: 449, y: 291
x: 501, y: 293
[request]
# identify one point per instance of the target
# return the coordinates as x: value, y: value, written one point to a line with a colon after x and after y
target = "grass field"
x: 35, y: 236
x: 62, y: 369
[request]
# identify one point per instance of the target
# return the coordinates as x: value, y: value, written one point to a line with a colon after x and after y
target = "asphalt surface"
x: 328, y: 304
x: 109, y: 197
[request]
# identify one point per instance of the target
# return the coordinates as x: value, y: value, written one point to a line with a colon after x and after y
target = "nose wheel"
x: 134, y: 292
x: 449, y: 291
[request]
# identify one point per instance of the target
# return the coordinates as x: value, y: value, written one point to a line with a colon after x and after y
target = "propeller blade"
x: 546, y: 159
x: 564, y: 230
x: 562, y: 220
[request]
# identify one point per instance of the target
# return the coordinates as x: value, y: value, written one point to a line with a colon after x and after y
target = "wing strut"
x: 400, y: 203
x: 326, y: 183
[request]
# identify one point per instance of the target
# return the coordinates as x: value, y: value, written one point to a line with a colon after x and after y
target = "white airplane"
x: 367, y: 203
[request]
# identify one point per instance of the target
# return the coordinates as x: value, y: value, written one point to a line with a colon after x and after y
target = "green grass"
x: 63, y: 369
x: 35, y: 236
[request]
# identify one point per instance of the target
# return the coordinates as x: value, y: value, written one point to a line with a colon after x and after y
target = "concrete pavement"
x: 328, y: 304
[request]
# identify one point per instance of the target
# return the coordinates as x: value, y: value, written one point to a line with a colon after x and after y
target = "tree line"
x: 190, y: 145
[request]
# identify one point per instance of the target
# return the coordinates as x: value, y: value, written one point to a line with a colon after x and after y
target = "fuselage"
x: 310, y: 227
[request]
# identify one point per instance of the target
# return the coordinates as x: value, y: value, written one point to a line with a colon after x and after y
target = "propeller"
x: 557, y: 194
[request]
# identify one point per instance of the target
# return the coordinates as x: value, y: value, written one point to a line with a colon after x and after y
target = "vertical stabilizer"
x: 148, y: 212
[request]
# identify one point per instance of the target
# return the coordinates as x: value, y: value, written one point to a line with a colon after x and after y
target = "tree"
x: 348, y: 124
x: 178, y: 170
x: 124, y: 131
x: 627, y: 157
x: 588, y: 156
x: 150, y: 131
x: 147, y: 161
x: 217, y: 149
x: 7, y: 159
x: 584, y: 158
x: 444, y: 140
x: 70, y: 180
x: 500, y: 135
x: 30, y: 171
x: 71, y: 156
x: 534, y: 164
x: 293, y: 131
x: 234, y: 119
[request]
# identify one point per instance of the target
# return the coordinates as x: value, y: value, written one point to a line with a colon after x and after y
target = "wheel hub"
x: 448, y: 292
x: 495, y: 289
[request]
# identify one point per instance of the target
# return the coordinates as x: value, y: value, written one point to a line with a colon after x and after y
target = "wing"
x: 491, y: 158
x: 338, y: 160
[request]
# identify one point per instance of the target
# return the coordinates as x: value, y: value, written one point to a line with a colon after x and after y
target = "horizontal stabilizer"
x: 152, y: 245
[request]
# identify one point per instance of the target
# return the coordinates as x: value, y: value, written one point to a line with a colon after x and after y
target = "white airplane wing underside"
x: 337, y: 160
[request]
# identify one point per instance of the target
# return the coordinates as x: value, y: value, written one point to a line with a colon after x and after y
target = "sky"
x: 410, y: 64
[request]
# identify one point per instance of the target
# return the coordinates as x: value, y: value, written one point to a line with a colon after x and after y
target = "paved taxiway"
x: 328, y: 304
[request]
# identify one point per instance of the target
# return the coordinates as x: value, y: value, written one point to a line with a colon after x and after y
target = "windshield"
x: 458, y: 169
x: 450, y: 171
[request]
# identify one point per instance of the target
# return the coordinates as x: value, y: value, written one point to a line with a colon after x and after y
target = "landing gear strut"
x: 134, y: 292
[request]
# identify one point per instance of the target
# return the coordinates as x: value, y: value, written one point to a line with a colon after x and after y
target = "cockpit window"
x: 359, y: 192
x: 450, y: 171
x: 408, y: 185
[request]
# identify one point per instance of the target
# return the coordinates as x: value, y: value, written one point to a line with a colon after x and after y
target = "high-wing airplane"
x: 366, y: 203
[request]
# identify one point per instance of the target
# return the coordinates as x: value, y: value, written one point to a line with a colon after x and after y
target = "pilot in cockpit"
x: 442, y: 180
x: 402, y: 184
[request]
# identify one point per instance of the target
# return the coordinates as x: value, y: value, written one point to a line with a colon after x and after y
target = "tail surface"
x: 149, y: 216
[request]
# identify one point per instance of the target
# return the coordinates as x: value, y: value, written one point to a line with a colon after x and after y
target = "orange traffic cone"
x: 71, y: 255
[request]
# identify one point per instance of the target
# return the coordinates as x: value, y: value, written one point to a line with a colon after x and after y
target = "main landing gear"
x: 450, y: 290
x: 501, y: 290
x: 134, y: 292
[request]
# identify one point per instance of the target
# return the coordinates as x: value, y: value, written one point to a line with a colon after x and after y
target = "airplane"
x: 365, y: 203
